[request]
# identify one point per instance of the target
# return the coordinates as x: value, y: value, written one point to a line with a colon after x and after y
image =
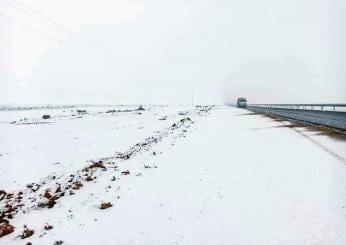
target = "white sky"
x: 273, y: 51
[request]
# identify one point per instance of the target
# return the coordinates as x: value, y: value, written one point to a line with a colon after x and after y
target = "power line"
x: 64, y: 28
x: 57, y: 26
x: 59, y: 41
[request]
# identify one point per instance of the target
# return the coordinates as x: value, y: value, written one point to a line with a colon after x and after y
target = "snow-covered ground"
x: 173, y: 175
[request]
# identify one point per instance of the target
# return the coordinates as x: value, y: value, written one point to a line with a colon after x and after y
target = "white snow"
x: 226, y: 177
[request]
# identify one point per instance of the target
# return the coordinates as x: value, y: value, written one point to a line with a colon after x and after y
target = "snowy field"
x: 168, y: 175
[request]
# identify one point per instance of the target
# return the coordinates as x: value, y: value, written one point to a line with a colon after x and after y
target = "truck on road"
x: 241, y: 103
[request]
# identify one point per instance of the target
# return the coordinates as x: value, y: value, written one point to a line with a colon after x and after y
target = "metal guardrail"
x: 315, y: 107
x: 330, y: 115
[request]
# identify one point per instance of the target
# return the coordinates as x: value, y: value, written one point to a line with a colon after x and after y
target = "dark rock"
x: 48, y: 204
x: 98, y: 164
x: 27, y: 233
x: 126, y: 172
x: 3, y: 221
x: 89, y: 178
x: 48, y: 227
x: 51, y: 203
x: 140, y: 108
x: 2, y: 194
x: 47, y: 195
x: 105, y: 205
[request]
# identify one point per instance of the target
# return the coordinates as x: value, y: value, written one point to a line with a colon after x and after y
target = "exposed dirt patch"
x: 6, y: 229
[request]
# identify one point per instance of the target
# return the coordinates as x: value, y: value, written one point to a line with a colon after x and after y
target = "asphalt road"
x: 326, y: 118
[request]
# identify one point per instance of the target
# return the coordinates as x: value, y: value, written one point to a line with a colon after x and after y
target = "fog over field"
x: 168, y: 51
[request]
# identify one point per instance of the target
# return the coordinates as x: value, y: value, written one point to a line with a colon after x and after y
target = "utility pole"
x: 192, y: 96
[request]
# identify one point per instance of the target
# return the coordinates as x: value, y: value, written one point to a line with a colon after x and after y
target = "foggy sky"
x: 270, y: 51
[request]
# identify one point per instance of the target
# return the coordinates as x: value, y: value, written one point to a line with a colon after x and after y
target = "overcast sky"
x: 161, y: 51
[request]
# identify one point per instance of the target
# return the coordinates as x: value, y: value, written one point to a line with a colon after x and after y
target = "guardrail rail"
x: 330, y: 115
